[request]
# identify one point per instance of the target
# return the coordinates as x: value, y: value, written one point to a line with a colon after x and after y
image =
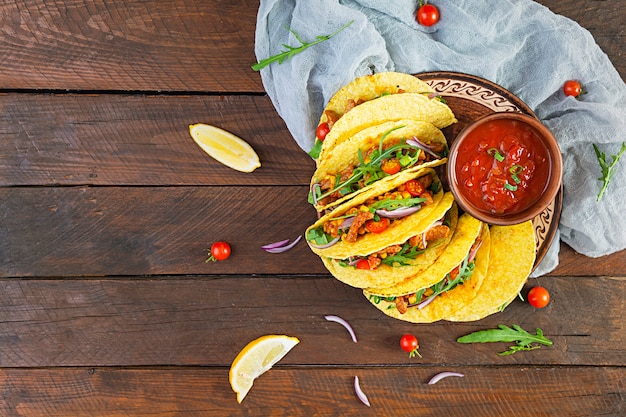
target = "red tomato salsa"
x: 502, y: 166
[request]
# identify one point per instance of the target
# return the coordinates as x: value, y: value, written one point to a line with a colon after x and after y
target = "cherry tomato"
x: 220, y: 251
x: 572, y: 88
x: 414, y: 187
x: 408, y: 343
x: 363, y: 264
x: 427, y: 14
x: 391, y: 166
x: 538, y: 297
x: 374, y: 226
x: 321, y: 131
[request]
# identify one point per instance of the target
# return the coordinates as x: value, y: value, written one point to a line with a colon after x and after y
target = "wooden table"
x: 107, y: 307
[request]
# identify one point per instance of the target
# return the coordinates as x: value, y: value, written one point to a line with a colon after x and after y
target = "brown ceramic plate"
x: 472, y: 97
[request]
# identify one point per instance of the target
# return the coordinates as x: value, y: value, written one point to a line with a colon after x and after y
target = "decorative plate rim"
x: 497, y: 98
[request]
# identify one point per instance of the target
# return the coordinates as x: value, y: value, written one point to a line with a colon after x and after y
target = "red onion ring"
x: 359, y: 393
x: 472, y: 254
x: 443, y: 375
x: 426, y: 302
x: 282, y: 249
x: 398, y: 213
x: 275, y: 244
x: 337, y: 319
x: 347, y: 222
x: 421, y: 145
x: 313, y: 195
x: 326, y: 245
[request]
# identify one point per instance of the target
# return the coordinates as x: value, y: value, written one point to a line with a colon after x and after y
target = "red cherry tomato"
x: 538, y: 297
x: 374, y: 226
x: 427, y: 14
x: 408, y: 343
x: 363, y: 264
x: 321, y: 131
x: 220, y: 251
x: 391, y: 166
x: 414, y: 187
x: 572, y: 88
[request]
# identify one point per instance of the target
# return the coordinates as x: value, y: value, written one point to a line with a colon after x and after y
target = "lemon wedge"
x: 255, y: 359
x: 225, y: 147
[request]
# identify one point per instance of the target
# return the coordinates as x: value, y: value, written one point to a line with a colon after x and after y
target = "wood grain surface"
x: 107, y: 209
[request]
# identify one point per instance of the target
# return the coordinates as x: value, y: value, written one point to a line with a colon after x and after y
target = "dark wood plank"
x: 76, y: 231
x: 399, y: 391
x: 139, y: 140
x: 132, y: 45
x: 206, y: 321
x: 572, y: 263
x: 604, y: 20
x: 79, y: 231
x: 178, y: 45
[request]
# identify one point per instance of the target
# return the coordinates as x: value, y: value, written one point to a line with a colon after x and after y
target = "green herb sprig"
x: 525, y: 340
x: 608, y: 170
x: 293, y: 50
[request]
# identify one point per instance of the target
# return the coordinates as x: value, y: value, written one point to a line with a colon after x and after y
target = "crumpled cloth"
x: 518, y: 44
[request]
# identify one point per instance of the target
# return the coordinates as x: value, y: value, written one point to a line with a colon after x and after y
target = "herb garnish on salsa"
x: 503, y: 166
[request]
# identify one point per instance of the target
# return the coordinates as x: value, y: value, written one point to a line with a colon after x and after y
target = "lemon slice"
x: 225, y: 147
x: 255, y: 359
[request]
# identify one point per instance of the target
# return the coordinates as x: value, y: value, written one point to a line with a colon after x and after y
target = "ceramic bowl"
x: 505, y: 168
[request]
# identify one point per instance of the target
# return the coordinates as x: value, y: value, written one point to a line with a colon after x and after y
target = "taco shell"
x: 369, y: 87
x: 513, y: 251
x: 384, y: 109
x: 387, y: 275
x: 467, y: 230
x: 398, y: 231
x: 450, y: 301
x: 346, y: 154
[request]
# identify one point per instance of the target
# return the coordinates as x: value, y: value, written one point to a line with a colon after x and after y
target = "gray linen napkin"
x: 518, y: 44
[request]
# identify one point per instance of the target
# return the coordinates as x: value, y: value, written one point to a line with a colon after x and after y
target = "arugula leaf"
x: 394, y: 204
x: 608, y: 170
x: 317, y: 148
x: 293, y: 50
x: 504, y: 333
x: 407, y: 253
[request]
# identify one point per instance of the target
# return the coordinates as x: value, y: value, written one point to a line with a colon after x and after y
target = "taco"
x: 374, y: 154
x: 395, y: 263
x: 384, y: 109
x: 364, y: 89
x: 451, y: 291
x: 398, y: 207
x: 513, y: 252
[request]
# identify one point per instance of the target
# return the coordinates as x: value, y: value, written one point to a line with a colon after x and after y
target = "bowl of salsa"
x: 505, y: 168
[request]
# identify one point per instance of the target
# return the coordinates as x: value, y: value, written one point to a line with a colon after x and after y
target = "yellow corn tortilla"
x: 465, y: 233
x: 346, y: 154
x: 513, y: 251
x: 398, y: 231
x: 447, y: 303
x: 386, y: 275
x: 384, y: 109
x: 369, y: 87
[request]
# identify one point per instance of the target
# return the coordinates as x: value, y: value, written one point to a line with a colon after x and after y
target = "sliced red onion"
x: 313, y: 195
x: 472, y: 254
x: 421, y: 145
x: 359, y: 393
x: 282, y: 249
x: 326, y: 245
x: 426, y: 302
x: 347, y: 222
x: 398, y: 213
x: 344, y: 323
x: 275, y: 244
x: 435, y: 224
x: 443, y: 375
x: 432, y: 95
